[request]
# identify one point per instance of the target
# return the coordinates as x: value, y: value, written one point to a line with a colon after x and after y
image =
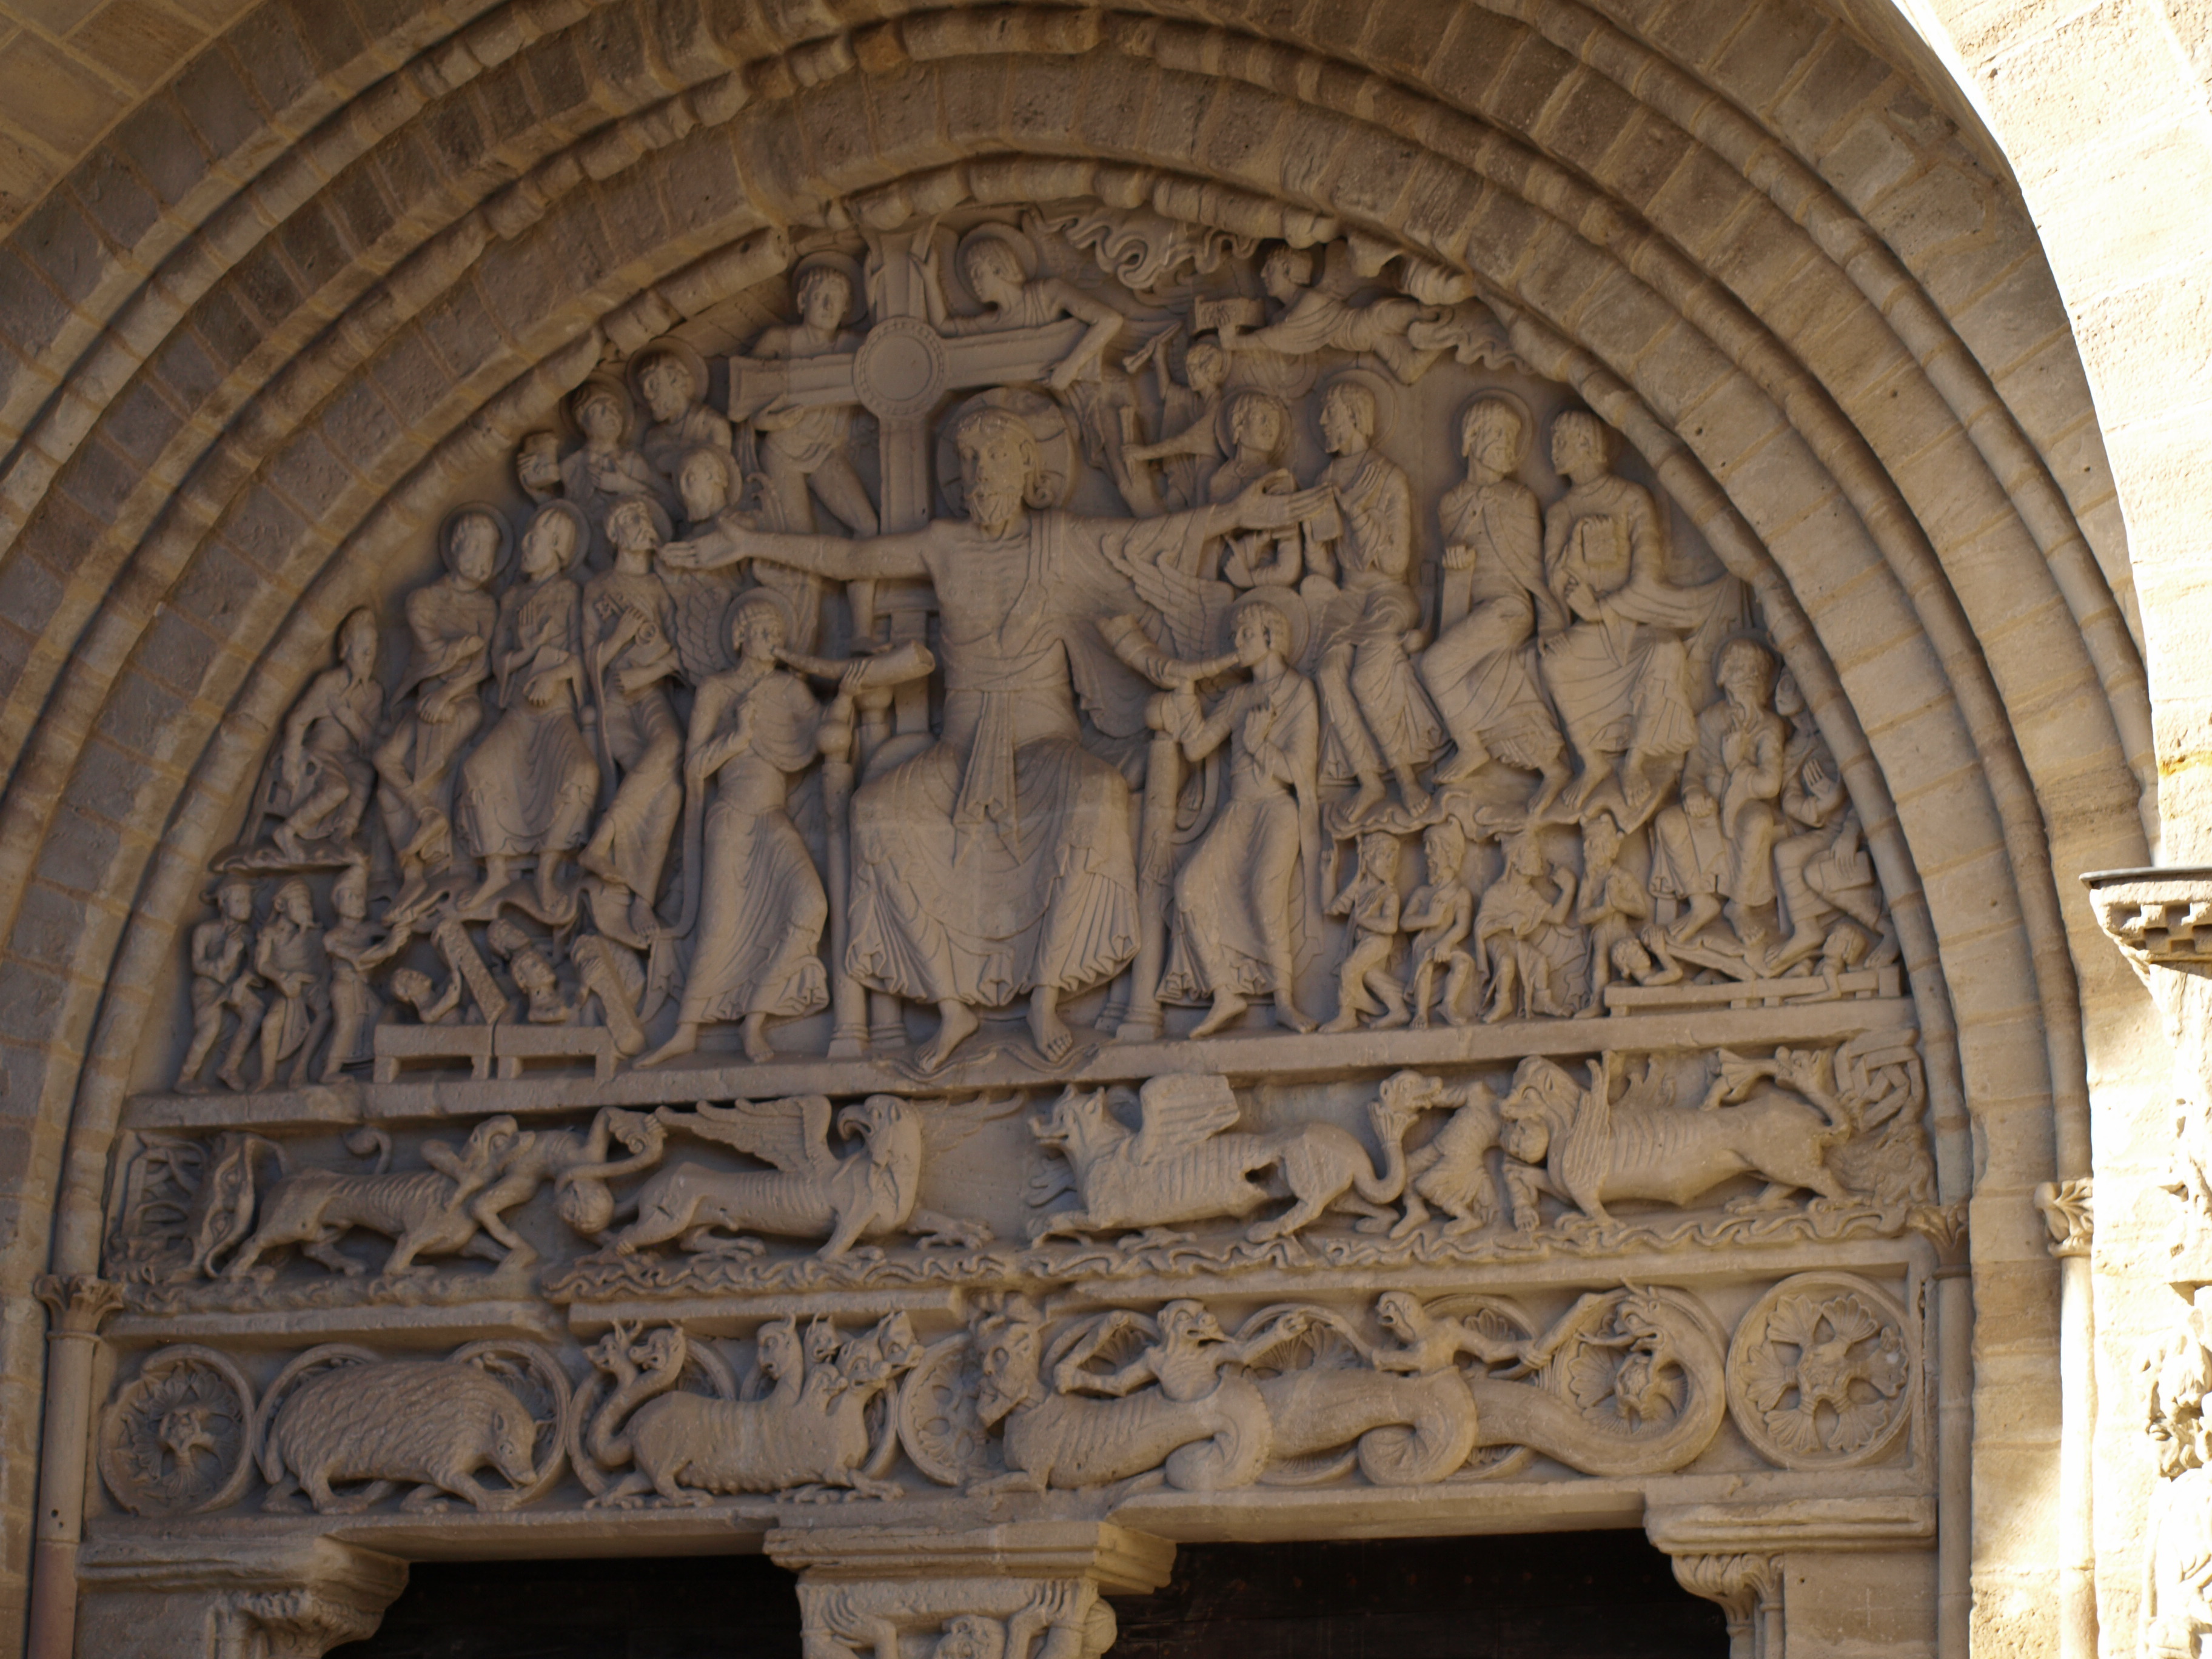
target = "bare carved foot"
x: 1369, y: 797
x: 1227, y: 1004
x: 686, y: 1039
x: 955, y: 1023
x: 1047, y: 1029
x: 757, y: 1048
x: 1288, y: 1012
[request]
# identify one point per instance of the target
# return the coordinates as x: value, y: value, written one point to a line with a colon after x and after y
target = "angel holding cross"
x: 998, y: 863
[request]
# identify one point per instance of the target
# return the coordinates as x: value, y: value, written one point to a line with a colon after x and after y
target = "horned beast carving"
x: 812, y: 1193
x: 1182, y: 1165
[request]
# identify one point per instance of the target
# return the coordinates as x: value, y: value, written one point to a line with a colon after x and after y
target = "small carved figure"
x: 1717, y: 843
x: 1214, y: 1436
x: 422, y: 1212
x: 1440, y: 915
x: 451, y: 621
x: 1621, y: 672
x: 430, y: 1423
x: 432, y: 1006
x: 1615, y: 906
x: 1429, y: 1342
x: 288, y: 958
x: 1378, y: 715
x: 1534, y: 952
x: 1317, y: 317
x: 537, y: 466
x: 1183, y: 1165
x: 223, y: 983
x: 802, y: 447
x: 605, y: 471
x: 1242, y: 898
x: 1368, y: 981
x: 1646, y: 958
x: 323, y: 769
x: 1190, y: 427
x: 756, y: 954
x: 528, y: 790
x: 671, y: 380
x: 1820, y: 866
x: 1452, y: 1171
x: 1481, y: 670
x: 1581, y: 1146
x: 811, y: 1193
x: 997, y: 263
x: 534, y: 976
x: 808, y: 1435
x: 629, y: 649
x: 355, y: 947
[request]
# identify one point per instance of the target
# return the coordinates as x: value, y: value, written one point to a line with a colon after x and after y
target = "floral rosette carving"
x: 1820, y: 1372
x: 178, y: 1439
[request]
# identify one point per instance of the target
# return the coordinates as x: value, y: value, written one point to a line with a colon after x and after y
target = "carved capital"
x: 302, y: 1624
x: 2067, y: 1211
x: 78, y: 1305
x: 993, y: 1593
x: 1747, y: 1588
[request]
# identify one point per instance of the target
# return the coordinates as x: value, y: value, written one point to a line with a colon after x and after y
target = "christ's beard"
x: 994, y: 511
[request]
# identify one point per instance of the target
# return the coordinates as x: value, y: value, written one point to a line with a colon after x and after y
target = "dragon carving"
x: 807, y: 1435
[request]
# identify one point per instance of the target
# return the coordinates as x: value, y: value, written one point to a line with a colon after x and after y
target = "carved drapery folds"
x: 993, y: 893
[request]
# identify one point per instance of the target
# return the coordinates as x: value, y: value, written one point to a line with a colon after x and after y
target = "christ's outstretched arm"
x: 872, y: 558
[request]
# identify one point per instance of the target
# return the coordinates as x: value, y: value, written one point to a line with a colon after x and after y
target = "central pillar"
x: 1029, y: 1591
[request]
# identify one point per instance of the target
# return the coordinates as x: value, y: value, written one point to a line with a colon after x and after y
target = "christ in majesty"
x: 998, y: 863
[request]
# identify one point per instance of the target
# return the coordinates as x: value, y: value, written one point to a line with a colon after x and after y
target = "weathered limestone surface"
x: 899, y: 780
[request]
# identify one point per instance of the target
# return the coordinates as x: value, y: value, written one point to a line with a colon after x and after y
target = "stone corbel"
x: 176, y: 1599
x: 1033, y: 1591
x: 1748, y: 1589
x: 2069, y: 1211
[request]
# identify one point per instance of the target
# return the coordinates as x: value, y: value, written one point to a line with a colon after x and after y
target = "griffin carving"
x: 1183, y: 1166
x: 812, y: 1193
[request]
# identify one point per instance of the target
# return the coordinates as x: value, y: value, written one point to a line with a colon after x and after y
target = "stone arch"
x: 1804, y: 327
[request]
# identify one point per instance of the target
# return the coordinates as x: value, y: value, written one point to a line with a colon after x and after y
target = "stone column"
x: 2066, y: 1208
x: 2162, y: 920
x: 275, y: 1599
x: 77, y: 1307
x: 1811, y: 1578
x: 1029, y: 1591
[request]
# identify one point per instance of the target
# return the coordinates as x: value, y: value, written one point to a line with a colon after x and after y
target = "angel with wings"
x: 998, y: 863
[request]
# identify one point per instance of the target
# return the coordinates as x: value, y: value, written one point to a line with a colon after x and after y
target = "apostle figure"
x: 223, y: 981
x: 1378, y: 716
x: 1242, y: 898
x: 1717, y: 845
x: 762, y: 908
x: 606, y: 470
x: 671, y: 379
x: 998, y: 862
x: 1620, y: 673
x: 288, y: 956
x: 629, y: 649
x: 355, y: 948
x: 1481, y: 670
x: 450, y: 621
x: 324, y: 770
x: 529, y: 789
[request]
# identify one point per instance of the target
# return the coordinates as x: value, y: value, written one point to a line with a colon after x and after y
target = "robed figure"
x: 998, y: 862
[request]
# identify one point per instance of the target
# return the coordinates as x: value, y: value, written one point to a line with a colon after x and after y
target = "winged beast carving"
x: 810, y: 1192
x: 1184, y: 1165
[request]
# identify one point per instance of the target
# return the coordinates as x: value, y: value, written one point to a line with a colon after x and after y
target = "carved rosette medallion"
x: 1821, y: 1374
x: 178, y: 1437
x: 899, y: 370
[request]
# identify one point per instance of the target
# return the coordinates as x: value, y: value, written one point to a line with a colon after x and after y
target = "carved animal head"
x: 1541, y: 1107
x: 1078, y: 1124
x: 1401, y: 1314
x: 184, y: 1434
x: 491, y: 1142
x: 1007, y: 1343
x: 513, y: 1443
x: 971, y: 1636
x: 885, y: 1352
x: 780, y: 1349
x: 1184, y: 1319
x: 889, y: 1127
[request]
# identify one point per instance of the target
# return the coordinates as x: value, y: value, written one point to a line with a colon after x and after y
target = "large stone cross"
x: 900, y: 372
